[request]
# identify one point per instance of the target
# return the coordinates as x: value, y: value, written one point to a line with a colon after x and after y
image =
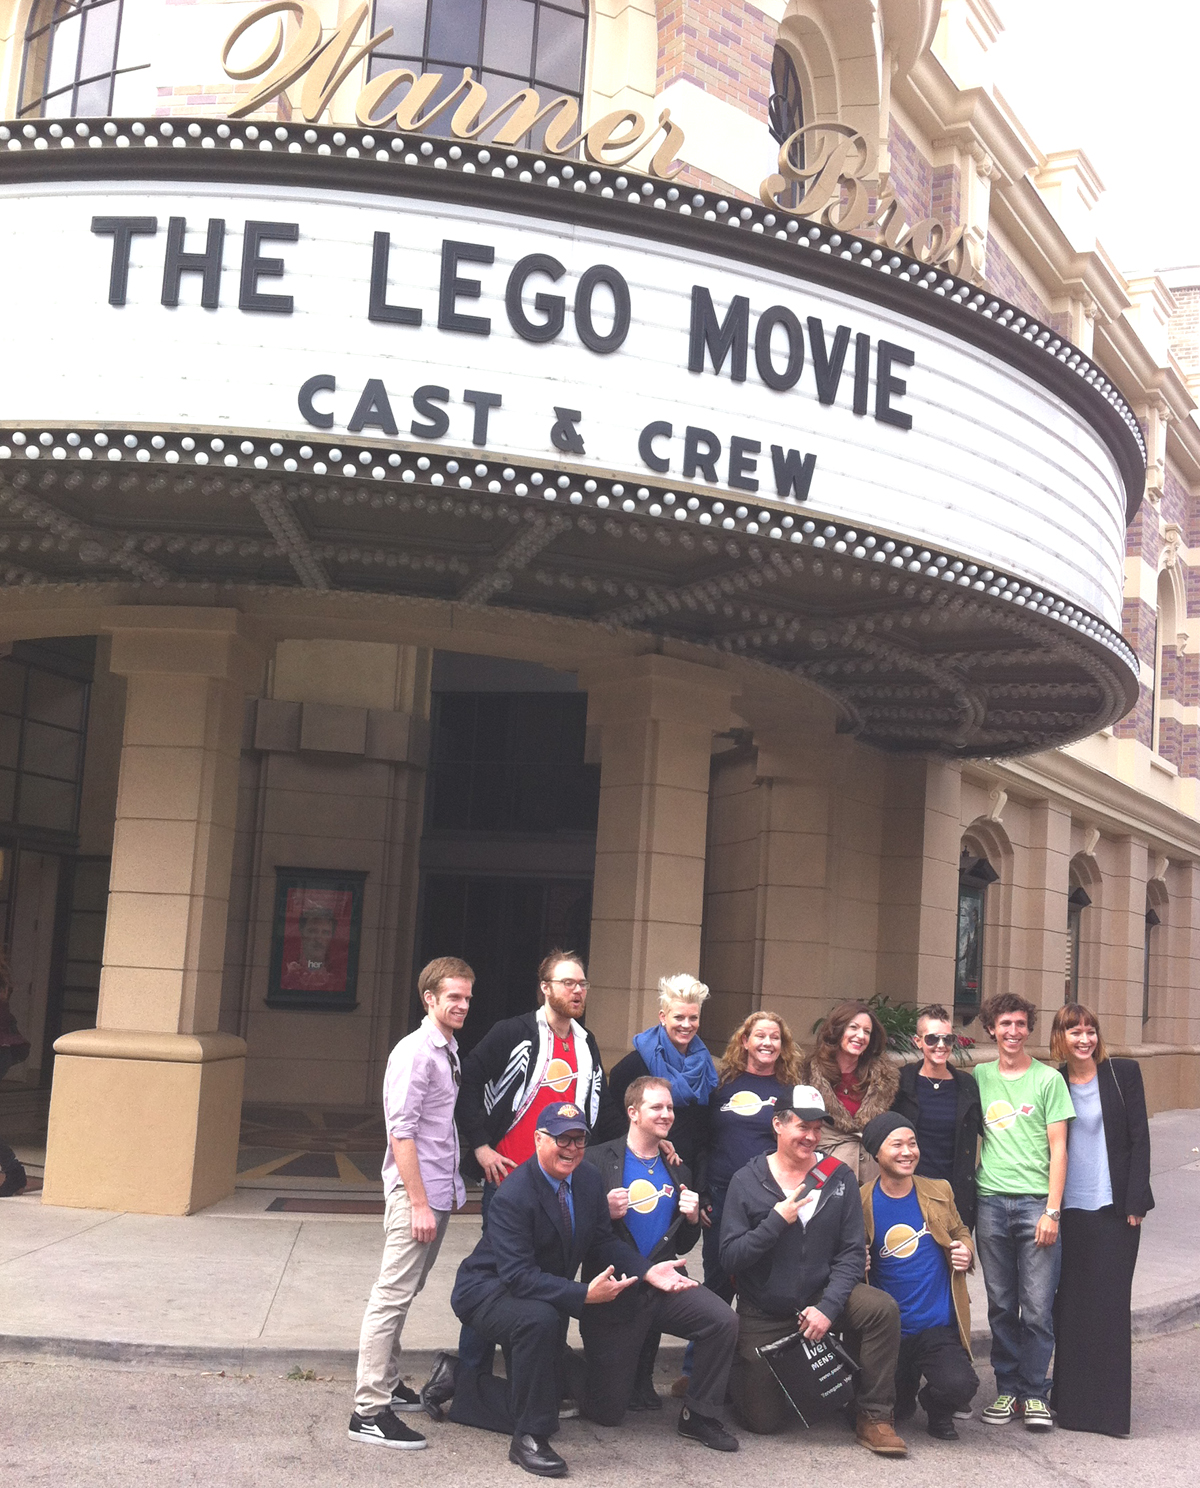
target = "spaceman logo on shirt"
x: 746, y: 1103
x: 644, y: 1197
x: 901, y: 1241
x: 1000, y: 1115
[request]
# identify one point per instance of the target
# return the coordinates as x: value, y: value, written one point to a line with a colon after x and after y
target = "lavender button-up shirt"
x: 419, y: 1092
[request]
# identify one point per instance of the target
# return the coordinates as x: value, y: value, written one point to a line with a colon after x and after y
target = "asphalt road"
x: 133, y: 1428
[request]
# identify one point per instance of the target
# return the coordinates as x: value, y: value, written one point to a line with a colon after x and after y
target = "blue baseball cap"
x: 558, y: 1119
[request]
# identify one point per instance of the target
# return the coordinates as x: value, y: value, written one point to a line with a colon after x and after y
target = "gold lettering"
x: 298, y: 56
x: 332, y: 66
x: 607, y: 135
x: 668, y: 152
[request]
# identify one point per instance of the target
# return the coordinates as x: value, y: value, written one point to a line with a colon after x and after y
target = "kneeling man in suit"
x: 517, y: 1287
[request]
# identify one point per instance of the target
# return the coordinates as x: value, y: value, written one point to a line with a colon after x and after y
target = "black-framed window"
x: 43, y: 721
x: 1077, y: 901
x: 785, y: 110
x: 1152, y: 923
x: 510, y: 44
x: 70, y: 61
x: 974, y: 876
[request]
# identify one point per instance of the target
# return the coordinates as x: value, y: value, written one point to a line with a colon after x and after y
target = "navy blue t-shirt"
x: 909, y: 1264
x: 651, y: 1200
x: 937, y: 1119
x: 740, y: 1124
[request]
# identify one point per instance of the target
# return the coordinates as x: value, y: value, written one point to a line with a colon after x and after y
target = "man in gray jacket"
x: 792, y: 1237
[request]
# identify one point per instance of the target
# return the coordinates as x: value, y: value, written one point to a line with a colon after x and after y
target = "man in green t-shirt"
x: 1022, y: 1169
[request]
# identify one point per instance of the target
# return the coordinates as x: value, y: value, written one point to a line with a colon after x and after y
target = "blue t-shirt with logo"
x: 740, y: 1129
x: 651, y: 1200
x: 909, y: 1264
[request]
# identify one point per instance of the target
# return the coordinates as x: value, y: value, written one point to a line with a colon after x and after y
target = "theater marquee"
x: 365, y: 303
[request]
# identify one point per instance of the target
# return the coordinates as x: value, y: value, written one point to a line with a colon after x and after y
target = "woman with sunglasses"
x: 941, y: 1103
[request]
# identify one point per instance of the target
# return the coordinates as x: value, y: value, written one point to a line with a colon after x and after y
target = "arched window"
x: 510, y: 44
x: 974, y: 876
x: 785, y: 110
x: 70, y: 61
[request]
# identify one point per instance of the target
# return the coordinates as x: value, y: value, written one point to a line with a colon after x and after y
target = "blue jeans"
x: 1021, y: 1280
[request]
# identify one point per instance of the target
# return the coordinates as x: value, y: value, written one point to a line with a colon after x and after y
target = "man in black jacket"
x: 657, y: 1212
x: 517, y: 1287
x: 792, y: 1236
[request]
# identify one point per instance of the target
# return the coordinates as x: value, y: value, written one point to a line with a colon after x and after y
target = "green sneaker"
x: 1001, y: 1411
x: 1037, y: 1416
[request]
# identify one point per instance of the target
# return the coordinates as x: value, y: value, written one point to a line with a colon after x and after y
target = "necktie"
x: 564, y: 1204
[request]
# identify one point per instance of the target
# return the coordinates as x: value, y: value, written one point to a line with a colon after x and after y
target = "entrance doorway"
x: 33, y: 916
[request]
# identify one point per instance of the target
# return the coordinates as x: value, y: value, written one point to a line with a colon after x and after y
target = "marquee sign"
x: 252, y: 308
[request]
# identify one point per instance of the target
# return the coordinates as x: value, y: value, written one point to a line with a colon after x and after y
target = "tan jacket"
x: 936, y: 1199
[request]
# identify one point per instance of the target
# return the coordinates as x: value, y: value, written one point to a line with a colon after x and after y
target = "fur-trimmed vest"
x: 882, y: 1084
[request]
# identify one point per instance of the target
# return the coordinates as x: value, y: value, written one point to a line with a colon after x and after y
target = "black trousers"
x: 614, y: 1334
x: 937, y: 1356
x: 532, y: 1336
x: 1092, y: 1352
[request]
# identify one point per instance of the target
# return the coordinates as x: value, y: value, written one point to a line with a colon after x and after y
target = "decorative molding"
x: 998, y: 796
x: 1090, y: 842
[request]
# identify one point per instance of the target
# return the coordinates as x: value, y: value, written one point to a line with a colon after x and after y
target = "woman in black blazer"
x: 941, y: 1104
x: 1107, y: 1195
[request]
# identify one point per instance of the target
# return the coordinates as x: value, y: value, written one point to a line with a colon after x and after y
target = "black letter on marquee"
x: 322, y: 383
x: 379, y: 308
x: 453, y: 288
x: 553, y: 307
x: 374, y: 410
x: 887, y: 386
x: 564, y: 435
x: 646, y: 440
x: 588, y: 334
x: 482, y: 403
x: 701, y: 451
x: 424, y: 404
x: 741, y: 467
x: 827, y: 368
x: 123, y: 230
x: 208, y: 263
x: 793, y: 475
x: 862, y: 371
x: 767, y: 321
x: 733, y: 334
x: 255, y: 268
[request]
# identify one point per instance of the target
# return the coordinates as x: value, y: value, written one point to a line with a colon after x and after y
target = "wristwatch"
x: 1054, y: 1214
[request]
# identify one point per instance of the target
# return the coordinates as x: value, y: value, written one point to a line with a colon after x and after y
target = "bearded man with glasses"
x: 941, y: 1104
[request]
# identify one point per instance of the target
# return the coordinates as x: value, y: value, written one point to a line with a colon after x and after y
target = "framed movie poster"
x: 315, y: 940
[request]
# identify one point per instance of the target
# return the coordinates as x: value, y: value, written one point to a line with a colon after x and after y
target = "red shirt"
x: 558, y: 1084
x: 849, y: 1096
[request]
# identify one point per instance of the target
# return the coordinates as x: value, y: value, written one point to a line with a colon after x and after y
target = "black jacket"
x: 609, y: 1159
x: 967, y: 1132
x: 526, y: 1252
x: 495, y: 1076
x: 781, y: 1268
x: 1126, y: 1133
x: 690, y: 1132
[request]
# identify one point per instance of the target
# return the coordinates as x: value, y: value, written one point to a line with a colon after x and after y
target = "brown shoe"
x: 681, y: 1386
x: 879, y: 1436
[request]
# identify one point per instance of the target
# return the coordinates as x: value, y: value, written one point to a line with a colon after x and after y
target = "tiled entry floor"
x: 301, y: 1143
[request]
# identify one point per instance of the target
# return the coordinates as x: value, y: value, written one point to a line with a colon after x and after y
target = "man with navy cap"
x: 920, y: 1253
x: 792, y: 1236
x: 517, y: 1288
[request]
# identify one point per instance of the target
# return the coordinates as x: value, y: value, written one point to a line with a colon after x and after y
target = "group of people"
x: 835, y: 1193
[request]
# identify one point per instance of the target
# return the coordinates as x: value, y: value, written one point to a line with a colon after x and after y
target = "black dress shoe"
x: 645, y: 1397
x: 536, y: 1455
x: 707, y: 1430
x: 438, y: 1389
x: 943, y: 1430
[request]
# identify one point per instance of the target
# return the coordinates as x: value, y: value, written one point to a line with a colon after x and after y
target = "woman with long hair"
x: 1106, y: 1197
x: 849, y: 1065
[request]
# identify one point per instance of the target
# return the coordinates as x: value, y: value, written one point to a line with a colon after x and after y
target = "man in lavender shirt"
x: 422, y: 1185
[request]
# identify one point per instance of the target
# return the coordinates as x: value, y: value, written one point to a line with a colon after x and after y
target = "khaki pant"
x: 406, y: 1263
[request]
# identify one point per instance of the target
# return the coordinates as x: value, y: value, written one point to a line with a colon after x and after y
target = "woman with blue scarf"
x: 671, y: 1051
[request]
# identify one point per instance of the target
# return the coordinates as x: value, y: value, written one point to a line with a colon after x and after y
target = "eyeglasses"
x: 933, y: 1040
x: 566, y: 1142
x: 570, y: 983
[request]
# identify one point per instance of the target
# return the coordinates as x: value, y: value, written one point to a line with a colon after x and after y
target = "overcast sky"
x: 1119, y: 80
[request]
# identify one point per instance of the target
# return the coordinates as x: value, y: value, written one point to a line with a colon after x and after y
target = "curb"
x: 1173, y: 1316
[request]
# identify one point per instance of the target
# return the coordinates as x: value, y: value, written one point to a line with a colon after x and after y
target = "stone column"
x: 656, y: 716
x: 146, y: 1106
x: 1121, y: 950
x: 1040, y: 889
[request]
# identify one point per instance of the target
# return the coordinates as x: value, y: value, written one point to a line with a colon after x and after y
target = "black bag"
x: 819, y: 1374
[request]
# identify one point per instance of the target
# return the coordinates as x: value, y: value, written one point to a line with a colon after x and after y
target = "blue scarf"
x: 691, y: 1076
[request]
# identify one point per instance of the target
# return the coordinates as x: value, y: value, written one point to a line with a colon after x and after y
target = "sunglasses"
x: 934, y: 1040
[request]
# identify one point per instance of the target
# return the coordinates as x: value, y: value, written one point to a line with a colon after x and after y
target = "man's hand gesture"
x: 665, y: 1276
x: 689, y: 1204
x: 961, y: 1256
x: 789, y: 1206
x: 606, y: 1286
x: 495, y: 1167
x: 618, y: 1203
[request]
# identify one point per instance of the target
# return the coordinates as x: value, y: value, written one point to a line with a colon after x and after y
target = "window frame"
x: 36, y: 29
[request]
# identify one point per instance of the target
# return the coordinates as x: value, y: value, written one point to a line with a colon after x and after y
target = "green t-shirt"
x: 1016, y: 1113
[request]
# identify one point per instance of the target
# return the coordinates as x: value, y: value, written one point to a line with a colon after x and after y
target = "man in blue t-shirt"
x: 919, y: 1252
x: 654, y: 1207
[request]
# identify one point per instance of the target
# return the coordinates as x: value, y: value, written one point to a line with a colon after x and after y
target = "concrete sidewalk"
x: 246, y: 1291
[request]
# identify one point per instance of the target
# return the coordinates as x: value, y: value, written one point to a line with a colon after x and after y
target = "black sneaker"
x: 384, y: 1430
x: 404, y: 1399
x: 707, y: 1430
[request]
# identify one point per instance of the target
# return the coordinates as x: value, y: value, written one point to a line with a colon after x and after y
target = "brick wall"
x: 190, y: 99
x: 1007, y: 281
x: 1184, y: 328
x: 724, y: 47
x: 911, y: 175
